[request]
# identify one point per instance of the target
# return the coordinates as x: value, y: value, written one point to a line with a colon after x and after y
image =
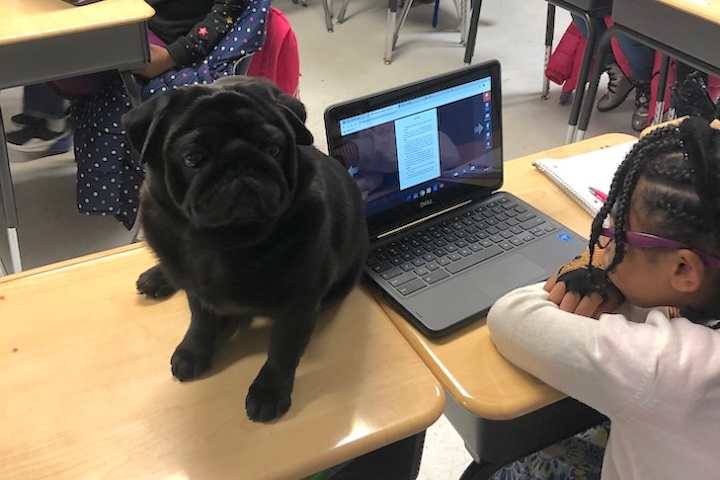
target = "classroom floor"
x: 338, y: 66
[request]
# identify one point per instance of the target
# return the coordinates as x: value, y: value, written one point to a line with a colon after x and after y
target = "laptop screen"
x: 423, y: 147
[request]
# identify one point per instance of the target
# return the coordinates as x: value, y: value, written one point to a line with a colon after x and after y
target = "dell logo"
x: 426, y: 203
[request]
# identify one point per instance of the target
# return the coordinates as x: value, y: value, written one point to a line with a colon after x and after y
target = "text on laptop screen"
x: 408, y: 150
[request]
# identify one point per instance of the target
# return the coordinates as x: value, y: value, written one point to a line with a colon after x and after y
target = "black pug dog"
x: 249, y: 219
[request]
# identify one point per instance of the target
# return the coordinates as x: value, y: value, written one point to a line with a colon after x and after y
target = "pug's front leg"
x: 269, y: 395
x: 193, y: 356
x: 154, y: 283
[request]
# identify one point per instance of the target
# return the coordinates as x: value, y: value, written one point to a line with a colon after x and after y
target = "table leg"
x: 549, y: 34
x: 7, y: 190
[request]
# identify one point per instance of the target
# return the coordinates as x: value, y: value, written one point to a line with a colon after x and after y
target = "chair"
x: 393, y: 26
x: 677, y: 28
x: 591, y: 11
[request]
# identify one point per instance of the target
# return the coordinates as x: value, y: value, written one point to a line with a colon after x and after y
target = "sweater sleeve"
x: 200, y: 40
x: 621, y: 366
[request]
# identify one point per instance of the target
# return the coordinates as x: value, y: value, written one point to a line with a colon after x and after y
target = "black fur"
x: 249, y: 219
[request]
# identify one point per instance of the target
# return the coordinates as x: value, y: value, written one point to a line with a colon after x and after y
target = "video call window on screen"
x: 408, y: 150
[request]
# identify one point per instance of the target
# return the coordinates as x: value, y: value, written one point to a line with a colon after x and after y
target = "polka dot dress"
x: 109, y: 177
x: 245, y: 37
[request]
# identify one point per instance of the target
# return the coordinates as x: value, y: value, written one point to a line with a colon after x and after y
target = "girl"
x: 656, y: 377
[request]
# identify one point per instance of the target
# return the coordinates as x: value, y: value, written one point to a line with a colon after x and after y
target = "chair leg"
x: 472, y: 34
x: 343, y: 10
x: 403, y: 17
x: 328, y: 15
x: 588, y: 100
x: 390, y: 30
x: 662, y: 84
x: 590, y: 46
x: 549, y: 34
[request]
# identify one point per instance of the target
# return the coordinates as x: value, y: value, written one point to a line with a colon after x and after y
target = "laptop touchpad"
x: 508, y: 274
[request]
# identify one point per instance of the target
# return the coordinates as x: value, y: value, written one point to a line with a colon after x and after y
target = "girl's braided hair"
x: 680, y: 167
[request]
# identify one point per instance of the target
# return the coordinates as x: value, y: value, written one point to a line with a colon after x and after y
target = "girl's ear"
x: 688, y: 271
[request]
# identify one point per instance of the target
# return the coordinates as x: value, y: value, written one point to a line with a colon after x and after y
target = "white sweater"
x: 657, y: 379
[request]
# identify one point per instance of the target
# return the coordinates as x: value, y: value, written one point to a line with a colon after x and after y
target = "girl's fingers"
x: 570, y: 302
x: 589, y: 305
x: 557, y: 293
x: 550, y: 284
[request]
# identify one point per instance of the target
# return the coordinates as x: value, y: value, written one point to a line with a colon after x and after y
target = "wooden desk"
x: 87, y: 389
x: 44, y: 40
x: 466, y: 362
x: 27, y: 20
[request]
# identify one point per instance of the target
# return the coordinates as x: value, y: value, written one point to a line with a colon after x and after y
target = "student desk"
x: 88, y: 393
x: 502, y: 412
x: 687, y: 30
x: 43, y: 40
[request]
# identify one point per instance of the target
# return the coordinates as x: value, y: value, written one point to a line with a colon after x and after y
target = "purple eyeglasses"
x: 646, y: 240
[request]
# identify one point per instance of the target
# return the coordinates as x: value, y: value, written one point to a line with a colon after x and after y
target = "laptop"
x: 446, y: 243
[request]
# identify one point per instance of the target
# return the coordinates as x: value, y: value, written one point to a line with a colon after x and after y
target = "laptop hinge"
x: 421, y: 220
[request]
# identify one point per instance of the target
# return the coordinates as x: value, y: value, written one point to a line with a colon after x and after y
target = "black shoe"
x: 39, y: 141
x: 25, y: 120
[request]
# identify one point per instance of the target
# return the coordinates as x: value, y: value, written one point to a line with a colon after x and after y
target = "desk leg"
x: 549, y: 34
x: 7, y: 190
x: 588, y: 101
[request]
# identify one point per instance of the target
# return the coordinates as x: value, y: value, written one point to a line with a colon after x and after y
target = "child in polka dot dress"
x: 192, y: 42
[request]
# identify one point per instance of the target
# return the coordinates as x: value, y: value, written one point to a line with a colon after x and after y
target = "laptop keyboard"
x: 428, y: 255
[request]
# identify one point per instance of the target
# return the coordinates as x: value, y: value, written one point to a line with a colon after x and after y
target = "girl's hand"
x: 588, y: 306
x: 160, y: 62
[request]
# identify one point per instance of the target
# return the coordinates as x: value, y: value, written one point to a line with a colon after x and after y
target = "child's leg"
x: 580, y: 456
x: 41, y: 101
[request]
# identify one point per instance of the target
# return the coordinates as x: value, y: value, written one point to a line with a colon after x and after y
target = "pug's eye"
x: 193, y: 160
x: 272, y: 150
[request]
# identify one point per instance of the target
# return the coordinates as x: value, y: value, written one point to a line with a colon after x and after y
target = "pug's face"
x: 223, y: 155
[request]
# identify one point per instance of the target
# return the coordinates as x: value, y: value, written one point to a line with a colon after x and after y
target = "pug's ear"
x: 295, y: 113
x: 141, y: 123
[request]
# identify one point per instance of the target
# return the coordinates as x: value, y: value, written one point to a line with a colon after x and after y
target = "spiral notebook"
x: 578, y: 174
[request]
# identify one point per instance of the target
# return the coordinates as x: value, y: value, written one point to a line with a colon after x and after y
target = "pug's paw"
x: 154, y: 284
x: 188, y: 365
x: 269, y: 396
